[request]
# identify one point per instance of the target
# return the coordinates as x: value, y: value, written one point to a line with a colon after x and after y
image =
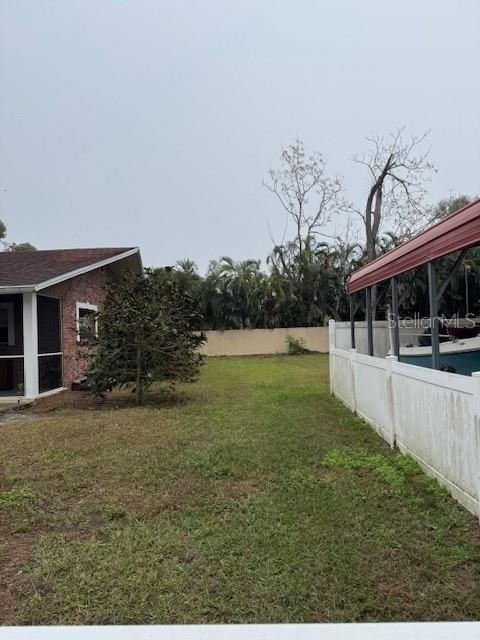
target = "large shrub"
x: 145, y: 335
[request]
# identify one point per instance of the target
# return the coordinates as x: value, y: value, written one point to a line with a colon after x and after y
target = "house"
x: 48, y: 304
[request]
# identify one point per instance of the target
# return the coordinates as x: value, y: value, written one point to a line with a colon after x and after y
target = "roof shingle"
x: 33, y: 267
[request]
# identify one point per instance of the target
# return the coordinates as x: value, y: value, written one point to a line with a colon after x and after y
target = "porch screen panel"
x: 50, y: 372
x: 50, y: 356
x: 11, y: 346
x: 11, y: 377
x: 11, y: 325
x: 49, y: 325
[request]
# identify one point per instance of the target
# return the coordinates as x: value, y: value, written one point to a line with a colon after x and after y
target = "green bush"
x: 295, y: 346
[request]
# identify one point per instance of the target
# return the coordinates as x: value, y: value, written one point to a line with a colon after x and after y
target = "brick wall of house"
x: 88, y: 288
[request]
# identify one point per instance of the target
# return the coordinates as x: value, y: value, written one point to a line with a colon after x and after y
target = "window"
x: 7, y: 329
x: 86, y: 322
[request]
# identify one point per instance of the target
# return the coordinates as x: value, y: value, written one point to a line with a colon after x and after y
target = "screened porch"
x: 31, y: 358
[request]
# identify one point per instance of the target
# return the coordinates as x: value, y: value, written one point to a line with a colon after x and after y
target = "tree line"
x: 242, y: 295
x: 304, y: 282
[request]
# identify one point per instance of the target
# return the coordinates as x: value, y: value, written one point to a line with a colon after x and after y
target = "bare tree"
x: 398, y: 170
x: 307, y: 195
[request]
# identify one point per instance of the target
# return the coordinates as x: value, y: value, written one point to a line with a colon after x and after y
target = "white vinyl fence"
x: 409, y: 332
x: 381, y: 336
x: 433, y: 416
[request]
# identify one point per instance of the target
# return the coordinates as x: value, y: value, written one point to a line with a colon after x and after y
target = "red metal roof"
x: 458, y: 231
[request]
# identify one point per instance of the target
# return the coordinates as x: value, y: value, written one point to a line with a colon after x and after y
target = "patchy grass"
x: 256, y: 497
x: 394, y: 470
x: 14, y: 497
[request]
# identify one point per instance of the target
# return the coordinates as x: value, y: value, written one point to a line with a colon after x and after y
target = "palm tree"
x: 242, y: 280
x: 187, y: 266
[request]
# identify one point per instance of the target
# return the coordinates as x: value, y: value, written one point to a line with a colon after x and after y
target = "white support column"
x: 30, y: 344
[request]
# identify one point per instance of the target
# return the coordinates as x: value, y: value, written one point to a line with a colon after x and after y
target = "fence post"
x: 476, y: 426
x: 331, y: 333
x: 353, y: 357
x: 331, y: 345
x: 389, y: 360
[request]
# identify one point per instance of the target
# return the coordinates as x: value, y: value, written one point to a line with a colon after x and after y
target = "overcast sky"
x: 153, y: 122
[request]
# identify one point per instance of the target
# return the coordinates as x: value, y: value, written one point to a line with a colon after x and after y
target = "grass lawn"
x: 256, y: 498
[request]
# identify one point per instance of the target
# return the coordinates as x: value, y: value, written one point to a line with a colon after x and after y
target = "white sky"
x: 152, y: 122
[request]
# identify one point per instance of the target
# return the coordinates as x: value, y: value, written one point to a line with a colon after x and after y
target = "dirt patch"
x: 81, y: 400
x: 15, y: 554
x: 10, y: 417
x: 234, y: 488
x: 65, y: 400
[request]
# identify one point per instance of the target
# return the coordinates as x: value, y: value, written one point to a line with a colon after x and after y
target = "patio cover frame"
x: 458, y: 232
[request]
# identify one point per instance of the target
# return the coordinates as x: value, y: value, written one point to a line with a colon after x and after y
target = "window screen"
x: 3, y: 325
x: 49, y: 373
x: 49, y: 325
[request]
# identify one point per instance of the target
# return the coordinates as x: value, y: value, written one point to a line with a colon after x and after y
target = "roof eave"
x: 8, y: 290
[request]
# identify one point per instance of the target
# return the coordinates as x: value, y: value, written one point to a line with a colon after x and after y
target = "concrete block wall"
x: 246, y: 342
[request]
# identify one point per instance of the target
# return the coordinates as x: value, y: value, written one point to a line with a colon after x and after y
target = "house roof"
x: 34, y: 270
x: 459, y: 231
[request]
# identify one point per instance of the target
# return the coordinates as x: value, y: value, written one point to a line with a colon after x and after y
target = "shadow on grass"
x: 160, y: 398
